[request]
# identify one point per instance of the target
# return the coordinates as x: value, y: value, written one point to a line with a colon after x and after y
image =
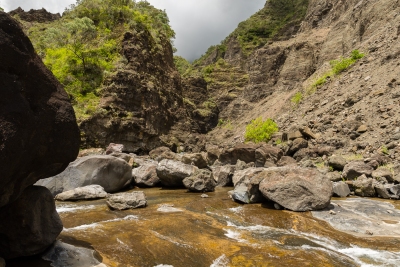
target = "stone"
x: 334, y: 176
x: 196, y: 159
x: 243, y: 152
x: 123, y: 156
x: 298, y: 144
x: 62, y: 254
x: 267, y: 153
x: 114, y: 148
x: 355, y: 169
x: 364, y: 187
x: 395, y: 189
x: 337, y: 162
x: 383, y: 172
x: 200, y: 181
x: 38, y: 130
x: 161, y: 153
x: 240, y: 165
x: 362, y: 129
x: 307, y: 133
x: 381, y: 191
x: 123, y: 201
x: 286, y: 161
x: 146, y: 175
x: 83, y: 193
x: 341, y: 189
x: 112, y: 173
x: 172, y: 173
x: 294, y: 135
x: 223, y: 175
x: 213, y: 153
x: 241, y: 175
x: 30, y: 224
x: 295, y: 188
x: 247, y: 189
x: 373, y: 163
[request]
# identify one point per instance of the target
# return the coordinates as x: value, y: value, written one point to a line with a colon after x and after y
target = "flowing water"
x: 182, y: 229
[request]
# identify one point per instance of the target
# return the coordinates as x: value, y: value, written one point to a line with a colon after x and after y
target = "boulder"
x: 267, y: 154
x: 172, y: 173
x: 30, y: 224
x: 337, y: 162
x: 213, y: 153
x: 123, y: 201
x: 146, y: 175
x: 114, y: 148
x: 286, y: 161
x: 244, y: 174
x: 81, y: 193
x: 307, y: 133
x: 334, y: 176
x: 383, y: 172
x: 341, y: 189
x: 112, y: 173
x: 200, y: 181
x: 223, y: 175
x: 161, y: 153
x: 355, y: 169
x: 196, y: 159
x: 295, y: 188
x: 243, y: 152
x: 120, y: 155
x: 247, y: 190
x: 364, y: 187
x: 395, y: 189
x: 294, y: 135
x: 298, y: 144
x: 381, y: 191
x: 38, y: 130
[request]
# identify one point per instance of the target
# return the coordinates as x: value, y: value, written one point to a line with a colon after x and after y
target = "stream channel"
x: 182, y: 229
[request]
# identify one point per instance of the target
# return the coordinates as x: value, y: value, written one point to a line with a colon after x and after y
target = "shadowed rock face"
x: 40, y: 15
x: 38, y: 131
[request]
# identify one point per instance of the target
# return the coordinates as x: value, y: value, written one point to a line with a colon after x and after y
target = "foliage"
x: 259, y: 130
x: 296, y: 99
x: 182, y: 64
x: 83, y: 46
x: 385, y: 150
x: 1, y: 9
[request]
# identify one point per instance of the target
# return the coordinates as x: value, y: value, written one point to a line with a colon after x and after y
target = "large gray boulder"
x: 341, y: 189
x: 83, y: 193
x: 223, y: 175
x: 196, y: 159
x: 112, y: 173
x: 200, y: 181
x: 245, y: 174
x: 364, y: 187
x: 38, y: 131
x: 172, y: 173
x: 337, y: 162
x: 355, y: 169
x: 123, y: 201
x: 30, y: 224
x: 146, y: 175
x: 295, y: 188
x: 243, y: 152
x: 247, y: 189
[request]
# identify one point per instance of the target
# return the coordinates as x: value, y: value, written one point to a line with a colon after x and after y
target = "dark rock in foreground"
x: 295, y: 188
x: 110, y: 172
x: 38, y: 131
x: 29, y: 225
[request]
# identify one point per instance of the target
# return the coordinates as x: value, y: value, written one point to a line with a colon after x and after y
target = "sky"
x: 198, y: 24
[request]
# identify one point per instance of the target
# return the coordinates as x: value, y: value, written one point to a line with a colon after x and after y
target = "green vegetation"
x: 82, y: 48
x: 385, y: 150
x: 1, y: 9
x: 260, y: 131
x: 182, y: 65
x: 296, y: 99
x: 337, y: 67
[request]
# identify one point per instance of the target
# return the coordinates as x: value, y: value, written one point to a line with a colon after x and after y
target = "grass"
x: 296, y: 99
x: 352, y: 157
x: 385, y: 150
x: 260, y: 131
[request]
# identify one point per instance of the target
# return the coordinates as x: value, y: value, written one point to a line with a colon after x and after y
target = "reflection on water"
x: 182, y: 229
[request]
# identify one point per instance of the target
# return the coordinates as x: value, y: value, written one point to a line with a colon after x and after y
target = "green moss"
x: 260, y: 131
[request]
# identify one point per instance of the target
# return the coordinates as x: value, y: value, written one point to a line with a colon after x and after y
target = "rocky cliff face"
x: 40, y: 15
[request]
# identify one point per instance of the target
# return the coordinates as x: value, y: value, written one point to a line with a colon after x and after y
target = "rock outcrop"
x: 38, y: 131
x: 40, y: 15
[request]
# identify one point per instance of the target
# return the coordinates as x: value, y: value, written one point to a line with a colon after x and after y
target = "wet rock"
x: 200, y: 181
x: 65, y: 255
x: 39, y: 134
x: 30, y: 224
x: 241, y: 175
x: 114, y: 148
x: 123, y: 201
x: 243, y: 152
x: 81, y: 193
x: 196, y: 159
x: 295, y: 188
x: 334, y: 176
x: 355, y: 169
x: 298, y: 144
x: 247, y: 189
x: 341, y: 189
x: 146, y: 175
x: 112, y: 173
x: 286, y: 161
x: 267, y: 153
x: 364, y: 187
x: 383, y: 172
x: 223, y: 175
x: 172, y: 173
x: 337, y: 162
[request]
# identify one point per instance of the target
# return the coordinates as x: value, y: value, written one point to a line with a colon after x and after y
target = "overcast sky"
x: 198, y: 23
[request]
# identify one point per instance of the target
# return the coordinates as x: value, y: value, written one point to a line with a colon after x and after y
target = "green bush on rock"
x: 260, y: 131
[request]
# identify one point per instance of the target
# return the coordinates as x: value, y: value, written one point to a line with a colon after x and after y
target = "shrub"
x: 296, y: 99
x: 259, y: 130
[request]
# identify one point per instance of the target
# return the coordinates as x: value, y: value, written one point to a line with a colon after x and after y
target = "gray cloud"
x: 198, y: 24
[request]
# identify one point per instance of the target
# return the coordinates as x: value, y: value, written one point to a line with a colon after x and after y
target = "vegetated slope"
x: 115, y: 60
x: 362, y: 94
